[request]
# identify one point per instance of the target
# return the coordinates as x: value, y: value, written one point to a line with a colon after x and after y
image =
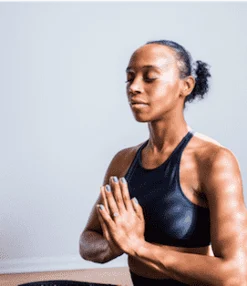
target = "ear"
x: 187, y: 86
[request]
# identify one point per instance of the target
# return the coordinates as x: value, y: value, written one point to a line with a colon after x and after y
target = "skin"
x: 209, y: 176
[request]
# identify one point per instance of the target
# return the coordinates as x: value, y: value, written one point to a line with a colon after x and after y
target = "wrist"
x: 138, y: 248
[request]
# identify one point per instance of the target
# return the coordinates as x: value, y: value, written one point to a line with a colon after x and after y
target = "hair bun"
x: 201, y: 74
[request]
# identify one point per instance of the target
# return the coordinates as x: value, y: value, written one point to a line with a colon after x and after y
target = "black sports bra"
x: 170, y: 217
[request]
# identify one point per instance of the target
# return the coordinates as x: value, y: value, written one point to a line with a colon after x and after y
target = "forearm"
x: 94, y: 247
x: 187, y: 267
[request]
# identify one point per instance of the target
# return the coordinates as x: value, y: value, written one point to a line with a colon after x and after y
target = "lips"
x: 132, y: 102
x: 138, y: 105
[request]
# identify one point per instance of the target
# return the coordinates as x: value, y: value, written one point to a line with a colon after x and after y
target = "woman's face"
x: 153, y: 78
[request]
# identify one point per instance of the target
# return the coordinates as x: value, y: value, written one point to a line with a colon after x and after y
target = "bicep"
x: 224, y: 193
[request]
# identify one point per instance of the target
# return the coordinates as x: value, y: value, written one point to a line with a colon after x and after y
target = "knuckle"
x: 125, y: 197
x: 118, y: 199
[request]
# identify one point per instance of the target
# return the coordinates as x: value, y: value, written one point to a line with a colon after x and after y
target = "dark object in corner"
x: 64, y: 283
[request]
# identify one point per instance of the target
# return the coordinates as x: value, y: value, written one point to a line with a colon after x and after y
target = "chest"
x: 172, y: 215
x: 188, y: 172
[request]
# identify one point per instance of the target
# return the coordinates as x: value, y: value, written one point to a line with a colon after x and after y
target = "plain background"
x: 64, y: 112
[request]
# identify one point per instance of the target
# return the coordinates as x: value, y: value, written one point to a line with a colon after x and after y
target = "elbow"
x: 235, y: 275
x: 82, y: 248
x: 87, y: 252
x: 83, y: 253
x: 86, y: 256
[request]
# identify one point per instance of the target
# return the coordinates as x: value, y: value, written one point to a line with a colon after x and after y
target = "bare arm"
x: 223, y: 189
x: 93, y: 245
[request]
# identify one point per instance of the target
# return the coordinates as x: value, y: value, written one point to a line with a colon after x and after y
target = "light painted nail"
x: 136, y: 201
x: 123, y: 180
x: 101, y: 207
x: 108, y: 188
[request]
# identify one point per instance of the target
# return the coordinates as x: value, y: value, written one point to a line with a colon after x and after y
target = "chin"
x: 141, y: 118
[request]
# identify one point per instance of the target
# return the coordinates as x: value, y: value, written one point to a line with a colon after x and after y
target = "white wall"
x: 64, y: 113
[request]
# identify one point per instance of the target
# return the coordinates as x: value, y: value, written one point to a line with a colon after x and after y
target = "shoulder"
x: 217, y: 164
x: 208, y: 151
x: 126, y: 155
x: 120, y: 162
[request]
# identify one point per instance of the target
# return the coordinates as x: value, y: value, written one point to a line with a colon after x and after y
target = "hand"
x: 113, y: 247
x: 126, y: 229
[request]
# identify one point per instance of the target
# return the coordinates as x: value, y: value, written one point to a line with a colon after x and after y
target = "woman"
x: 174, y: 203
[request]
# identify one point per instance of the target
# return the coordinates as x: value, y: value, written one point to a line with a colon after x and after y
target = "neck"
x: 167, y: 132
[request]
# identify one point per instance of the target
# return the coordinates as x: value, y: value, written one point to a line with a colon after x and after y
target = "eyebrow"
x: 146, y: 66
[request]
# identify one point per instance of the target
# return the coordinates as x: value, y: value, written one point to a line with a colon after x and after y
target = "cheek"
x: 163, y: 91
x: 170, y: 82
x: 164, y: 97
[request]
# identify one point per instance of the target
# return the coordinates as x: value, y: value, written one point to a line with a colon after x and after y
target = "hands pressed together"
x: 121, y: 218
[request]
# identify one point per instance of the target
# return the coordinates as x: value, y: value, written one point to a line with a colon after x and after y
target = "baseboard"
x: 36, y: 264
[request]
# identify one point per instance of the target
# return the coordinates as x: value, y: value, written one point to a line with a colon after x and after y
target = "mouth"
x: 138, y: 105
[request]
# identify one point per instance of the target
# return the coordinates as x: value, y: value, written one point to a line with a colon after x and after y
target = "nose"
x: 135, y: 86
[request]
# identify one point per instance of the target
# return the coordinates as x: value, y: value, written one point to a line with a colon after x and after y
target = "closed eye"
x: 145, y: 79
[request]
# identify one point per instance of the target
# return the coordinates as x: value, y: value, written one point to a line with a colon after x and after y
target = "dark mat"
x: 63, y: 283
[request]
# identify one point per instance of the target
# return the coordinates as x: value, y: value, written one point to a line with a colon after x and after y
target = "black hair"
x: 199, y: 69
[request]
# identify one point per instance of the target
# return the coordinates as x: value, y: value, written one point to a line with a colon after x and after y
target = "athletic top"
x: 170, y: 217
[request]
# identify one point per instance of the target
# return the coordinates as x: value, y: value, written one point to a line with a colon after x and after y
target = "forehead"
x: 152, y: 55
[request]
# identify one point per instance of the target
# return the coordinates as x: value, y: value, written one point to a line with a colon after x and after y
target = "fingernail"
x: 136, y: 201
x: 108, y: 188
x: 101, y: 207
x: 123, y: 180
x: 115, y: 179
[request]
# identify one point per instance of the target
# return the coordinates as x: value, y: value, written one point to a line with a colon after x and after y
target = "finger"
x: 125, y: 194
x: 117, y: 193
x: 137, y: 208
x: 105, y: 203
x: 103, y: 226
x: 102, y: 223
x: 106, y: 232
x: 110, y: 224
x: 113, y: 208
